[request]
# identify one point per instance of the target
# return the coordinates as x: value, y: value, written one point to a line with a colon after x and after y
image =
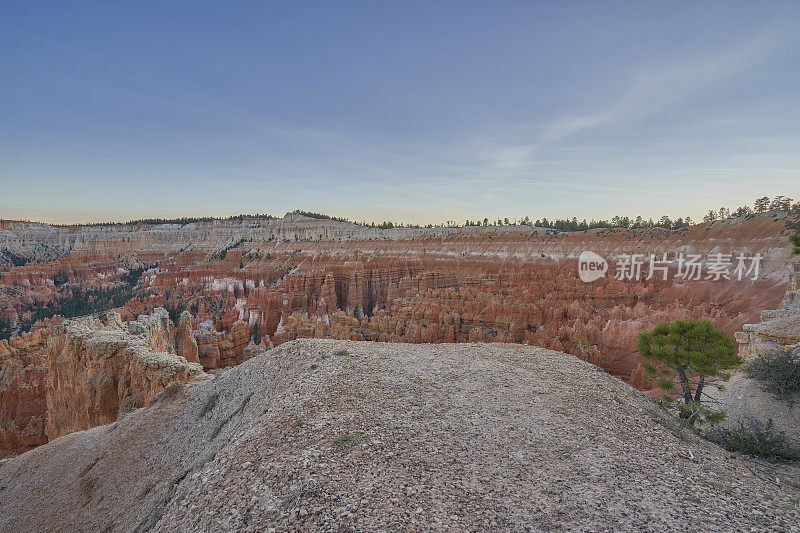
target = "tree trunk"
x: 685, y: 385
x: 698, y: 393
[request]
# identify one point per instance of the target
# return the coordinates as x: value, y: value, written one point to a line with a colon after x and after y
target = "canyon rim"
x: 361, y: 266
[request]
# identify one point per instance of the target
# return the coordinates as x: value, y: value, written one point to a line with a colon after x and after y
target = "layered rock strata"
x: 98, y: 372
x: 85, y: 372
x: 23, y: 387
x: 778, y: 329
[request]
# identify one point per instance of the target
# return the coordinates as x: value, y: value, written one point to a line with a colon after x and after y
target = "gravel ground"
x: 354, y: 436
x: 747, y: 397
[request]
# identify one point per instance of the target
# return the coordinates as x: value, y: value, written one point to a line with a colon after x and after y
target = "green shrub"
x: 5, y: 328
x: 684, y: 358
x: 175, y: 311
x: 779, y: 371
x: 755, y: 437
x: 341, y: 352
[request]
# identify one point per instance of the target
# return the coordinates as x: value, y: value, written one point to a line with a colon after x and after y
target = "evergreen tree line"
x: 81, y: 302
x: 5, y: 328
x: 575, y: 225
x: 760, y: 205
x: 181, y: 221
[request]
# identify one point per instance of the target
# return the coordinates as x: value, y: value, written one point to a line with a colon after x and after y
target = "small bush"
x: 175, y: 311
x: 343, y: 351
x: 755, y: 437
x: 779, y: 371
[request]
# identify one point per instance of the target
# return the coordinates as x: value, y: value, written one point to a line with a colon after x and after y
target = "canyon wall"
x: 41, y: 242
x: 778, y: 328
x: 98, y: 371
x: 252, y: 284
x: 83, y: 373
x: 23, y: 388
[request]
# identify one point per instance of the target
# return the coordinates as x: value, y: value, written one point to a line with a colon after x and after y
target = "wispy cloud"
x: 658, y: 88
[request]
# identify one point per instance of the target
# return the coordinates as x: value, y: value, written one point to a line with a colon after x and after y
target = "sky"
x: 407, y: 111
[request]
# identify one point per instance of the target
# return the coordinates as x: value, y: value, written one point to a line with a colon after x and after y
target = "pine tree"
x: 691, y: 355
x: 584, y: 346
x: 762, y: 204
x: 795, y: 238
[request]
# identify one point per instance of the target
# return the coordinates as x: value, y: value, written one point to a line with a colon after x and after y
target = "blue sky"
x: 409, y: 111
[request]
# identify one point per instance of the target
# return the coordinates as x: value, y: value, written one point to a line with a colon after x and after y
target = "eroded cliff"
x: 778, y: 328
x: 96, y: 371
x: 83, y: 373
x: 264, y: 282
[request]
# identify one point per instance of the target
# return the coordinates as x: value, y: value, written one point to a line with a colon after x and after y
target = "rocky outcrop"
x: 155, y: 329
x: 84, y: 373
x: 185, y: 343
x: 97, y: 372
x: 219, y: 349
x: 320, y: 435
x: 23, y: 383
x: 778, y: 328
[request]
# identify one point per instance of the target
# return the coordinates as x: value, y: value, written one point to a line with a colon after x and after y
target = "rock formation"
x: 273, y: 280
x: 334, y: 436
x: 218, y: 349
x: 23, y: 384
x: 185, y: 343
x: 778, y: 328
x: 98, y: 372
x: 84, y: 373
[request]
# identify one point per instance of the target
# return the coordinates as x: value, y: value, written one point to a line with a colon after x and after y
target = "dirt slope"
x: 393, y: 436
